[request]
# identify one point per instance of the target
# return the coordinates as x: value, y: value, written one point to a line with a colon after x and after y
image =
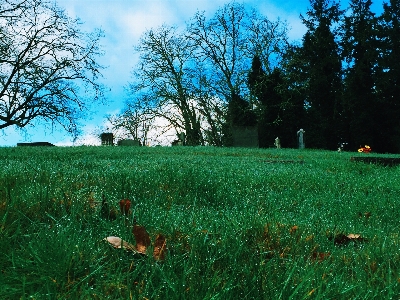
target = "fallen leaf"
x: 142, y: 238
x: 293, y: 229
x: 160, y: 247
x: 119, y: 243
x: 342, y: 239
x: 353, y: 236
x: 320, y: 256
x: 125, y: 205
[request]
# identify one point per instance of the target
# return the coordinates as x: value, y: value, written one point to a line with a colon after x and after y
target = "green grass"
x: 238, y: 226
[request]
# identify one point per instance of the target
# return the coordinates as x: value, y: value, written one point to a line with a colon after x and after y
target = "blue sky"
x: 123, y: 22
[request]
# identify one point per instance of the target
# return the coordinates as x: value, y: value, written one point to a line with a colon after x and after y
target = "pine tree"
x: 362, y: 109
x: 388, y: 78
x: 323, y: 70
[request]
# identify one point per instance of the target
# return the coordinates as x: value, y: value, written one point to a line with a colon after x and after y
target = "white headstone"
x: 277, y: 143
x: 300, y: 136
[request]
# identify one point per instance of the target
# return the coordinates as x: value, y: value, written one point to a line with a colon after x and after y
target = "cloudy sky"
x: 123, y: 22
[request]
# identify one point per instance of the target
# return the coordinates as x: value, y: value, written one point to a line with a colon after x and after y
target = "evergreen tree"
x: 260, y: 89
x: 278, y: 114
x: 323, y: 71
x: 362, y: 110
x: 388, y: 78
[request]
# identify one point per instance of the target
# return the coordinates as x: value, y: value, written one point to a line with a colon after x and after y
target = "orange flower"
x: 365, y: 149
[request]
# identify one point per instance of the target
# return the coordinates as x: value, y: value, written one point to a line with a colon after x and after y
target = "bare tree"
x: 47, y: 65
x: 191, y: 77
x: 163, y: 86
x: 227, y: 43
x: 131, y: 123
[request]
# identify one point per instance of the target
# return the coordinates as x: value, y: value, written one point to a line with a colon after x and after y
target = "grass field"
x: 239, y: 224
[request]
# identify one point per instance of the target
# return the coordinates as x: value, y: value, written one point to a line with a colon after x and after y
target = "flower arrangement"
x: 365, y: 149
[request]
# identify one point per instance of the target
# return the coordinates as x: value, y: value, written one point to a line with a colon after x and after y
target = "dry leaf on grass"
x: 142, y: 238
x: 125, y: 205
x: 119, y: 243
x: 160, y: 247
x: 293, y: 229
x: 342, y: 239
x: 320, y: 256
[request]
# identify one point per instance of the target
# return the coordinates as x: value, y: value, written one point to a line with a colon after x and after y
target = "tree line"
x: 236, y: 68
x: 340, y: 82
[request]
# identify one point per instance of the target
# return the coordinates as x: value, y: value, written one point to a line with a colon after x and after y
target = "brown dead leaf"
x: 160, y: 247
x: 119, y: 243
x: 142, y: 238
x: 342, y: 239
x: 293, y: 229
x: 320, y: 256
x: 125, y: 205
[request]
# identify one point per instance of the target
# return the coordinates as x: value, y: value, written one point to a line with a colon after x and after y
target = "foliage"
x: 261, y: 224
x: 388, y: 77
x: 323, y: 70
x: 45, y: 60
x: 196, y: 78
x: 360, y: 103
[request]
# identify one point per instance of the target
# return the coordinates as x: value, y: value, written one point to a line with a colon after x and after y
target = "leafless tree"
x: 48, y: 67
x: 227, y: 43
x: 189, y: 77
x: 162, y: 85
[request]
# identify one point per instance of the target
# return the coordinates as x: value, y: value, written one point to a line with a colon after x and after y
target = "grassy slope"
x: 238, y: 224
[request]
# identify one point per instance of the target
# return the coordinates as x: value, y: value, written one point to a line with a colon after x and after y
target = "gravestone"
x: 300, y: 138
x: 277, y: 143
x: 181, y: 141
x: 107, y: 139
x: 245, y: 136
x: 129, y: 142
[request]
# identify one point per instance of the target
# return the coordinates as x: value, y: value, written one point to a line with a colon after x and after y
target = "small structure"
x: 245, y: 136
x: 107, y: 139
x: 181, y: 141
x: 300, y: 138
x: 277, y: 143
x: 35, y: 144
x: 129, y: 142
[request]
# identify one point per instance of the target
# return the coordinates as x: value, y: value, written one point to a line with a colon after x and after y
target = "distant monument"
x: 35, y: 144
x: 245, y: 136
x: 129, y: 142
x: 181, y: 141
x: 300, y: 137
x: 277, y: 143
x: 107, y: 139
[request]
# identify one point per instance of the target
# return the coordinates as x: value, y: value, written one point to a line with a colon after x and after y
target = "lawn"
x: 238, y: 224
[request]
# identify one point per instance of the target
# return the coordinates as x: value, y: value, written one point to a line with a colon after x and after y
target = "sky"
x: 123, y: 23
